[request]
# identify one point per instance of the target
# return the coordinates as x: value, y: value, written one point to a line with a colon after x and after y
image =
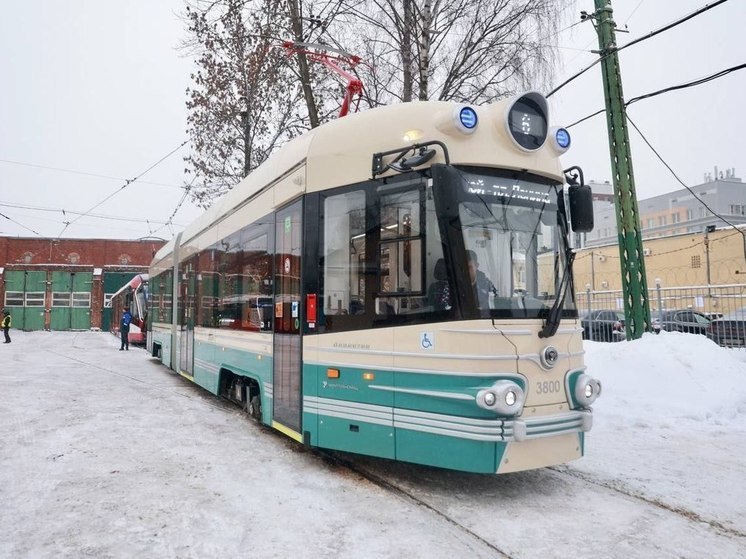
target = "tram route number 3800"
x: 548, y: 387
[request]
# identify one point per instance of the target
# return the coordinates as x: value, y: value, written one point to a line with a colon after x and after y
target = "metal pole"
x: 593, y: 272
x: 634, y: 283
x: 660, y: 299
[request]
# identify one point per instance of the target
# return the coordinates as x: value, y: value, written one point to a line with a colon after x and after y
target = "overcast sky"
x: 98, y: 87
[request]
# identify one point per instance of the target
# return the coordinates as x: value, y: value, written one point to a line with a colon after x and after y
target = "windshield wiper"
x: 555, y: 313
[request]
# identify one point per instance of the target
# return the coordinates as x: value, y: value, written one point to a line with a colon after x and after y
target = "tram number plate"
x: 548, y: 387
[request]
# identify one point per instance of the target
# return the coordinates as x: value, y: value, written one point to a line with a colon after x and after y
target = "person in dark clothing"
x: 6, y: 325
x: 124, y: 330
x: 480, y: 282
x: 439, y: 292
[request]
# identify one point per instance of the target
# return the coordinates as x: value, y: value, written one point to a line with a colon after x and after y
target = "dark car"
x: 683, y: 320
x: 603, y: 326
x: 729, y: 331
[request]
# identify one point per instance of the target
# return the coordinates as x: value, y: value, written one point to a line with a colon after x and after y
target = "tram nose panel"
x: 545, y: 362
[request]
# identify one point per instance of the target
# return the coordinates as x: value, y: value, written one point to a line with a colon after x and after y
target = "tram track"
x: 627, y: 492
x: 410, y: 497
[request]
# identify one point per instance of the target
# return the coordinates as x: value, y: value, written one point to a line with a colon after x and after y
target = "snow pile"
x: 671, y: 375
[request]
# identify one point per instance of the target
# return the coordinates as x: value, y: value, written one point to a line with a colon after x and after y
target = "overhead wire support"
x: 632, y: 263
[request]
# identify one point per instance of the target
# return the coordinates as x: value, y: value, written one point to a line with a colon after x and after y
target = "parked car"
x: 683, y: 320
x: 729, y: 331
x: 603, y: 326
x: 713, y: 315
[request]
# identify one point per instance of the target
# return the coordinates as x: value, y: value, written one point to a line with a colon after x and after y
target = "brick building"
x: 66, y: 284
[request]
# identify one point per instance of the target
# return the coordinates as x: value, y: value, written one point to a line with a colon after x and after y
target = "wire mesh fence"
x: 715, y: 311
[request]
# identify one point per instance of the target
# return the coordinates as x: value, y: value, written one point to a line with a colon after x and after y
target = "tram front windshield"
x: 515, y: 250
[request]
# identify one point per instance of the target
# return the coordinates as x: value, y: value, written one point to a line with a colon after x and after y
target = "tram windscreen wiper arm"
x: 555, y: 313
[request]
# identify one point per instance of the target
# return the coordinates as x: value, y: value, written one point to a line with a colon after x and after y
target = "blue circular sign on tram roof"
x: 468, y: 118
x: 563, y: 138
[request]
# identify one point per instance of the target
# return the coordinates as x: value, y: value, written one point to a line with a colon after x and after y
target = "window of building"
x: 737, y: 209
x: 35, y: 299
x: 61, y: 299
x: 14, y: 298
x: 651, y: 223
x: 662, y: 220
x: 107, y: 300
x: 696, y: 262
x: 675, y: 218
x: 689, y: 215
x: 81, y: 299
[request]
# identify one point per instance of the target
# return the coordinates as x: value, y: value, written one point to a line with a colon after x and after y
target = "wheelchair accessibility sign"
x: 427, y: 340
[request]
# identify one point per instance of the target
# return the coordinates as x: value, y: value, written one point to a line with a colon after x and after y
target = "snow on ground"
x: 671, y: 422
x: 108, y: 454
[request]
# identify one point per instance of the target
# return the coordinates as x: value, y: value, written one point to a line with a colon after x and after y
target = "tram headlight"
x: 510, y: 397
x: 587, y: 390
x: 505, y: 397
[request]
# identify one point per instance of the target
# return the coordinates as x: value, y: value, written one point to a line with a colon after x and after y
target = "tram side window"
x: 161, y: 300
x: 412, y: 273
x: 245, y: 287
x: 207, y: 287
x: 344, y: 254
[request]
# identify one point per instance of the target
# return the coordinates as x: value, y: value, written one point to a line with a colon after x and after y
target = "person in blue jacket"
x: 124, y: 329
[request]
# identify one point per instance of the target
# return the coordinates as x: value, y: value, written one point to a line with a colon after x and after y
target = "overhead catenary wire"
x: 650, y: 35
x: 691, y: 191
x: 20, y: 224
x: 90, y: 215
x: 82, y: 173
x: 685, y: 85
x: 125, y: 185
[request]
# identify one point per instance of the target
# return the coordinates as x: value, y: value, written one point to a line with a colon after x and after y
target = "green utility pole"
x: 634, y: 284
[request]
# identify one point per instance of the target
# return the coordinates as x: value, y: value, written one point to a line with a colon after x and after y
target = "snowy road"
x: 108, y: 454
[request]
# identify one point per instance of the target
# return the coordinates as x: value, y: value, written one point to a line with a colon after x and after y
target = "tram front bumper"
x: 547, y: 426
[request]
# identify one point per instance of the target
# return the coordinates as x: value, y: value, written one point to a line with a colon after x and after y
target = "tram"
x: 133, y: 295
x: 395, y: 283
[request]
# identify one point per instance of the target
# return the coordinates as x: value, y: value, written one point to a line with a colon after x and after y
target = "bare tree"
x: 249, y: 95
x: 464, y: 50
x: 241, y: 106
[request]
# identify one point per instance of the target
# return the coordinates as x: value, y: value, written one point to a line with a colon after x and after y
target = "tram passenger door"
x: 287, y: 361
x: 187, y: 302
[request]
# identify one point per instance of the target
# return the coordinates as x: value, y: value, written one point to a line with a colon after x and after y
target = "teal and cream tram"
x: 396, y: 283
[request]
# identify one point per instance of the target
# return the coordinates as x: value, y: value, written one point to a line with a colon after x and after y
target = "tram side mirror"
x: 580, y: 198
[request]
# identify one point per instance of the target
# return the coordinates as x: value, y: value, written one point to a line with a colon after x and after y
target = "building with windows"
x: 674, y: 213
x: 67, y: 284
